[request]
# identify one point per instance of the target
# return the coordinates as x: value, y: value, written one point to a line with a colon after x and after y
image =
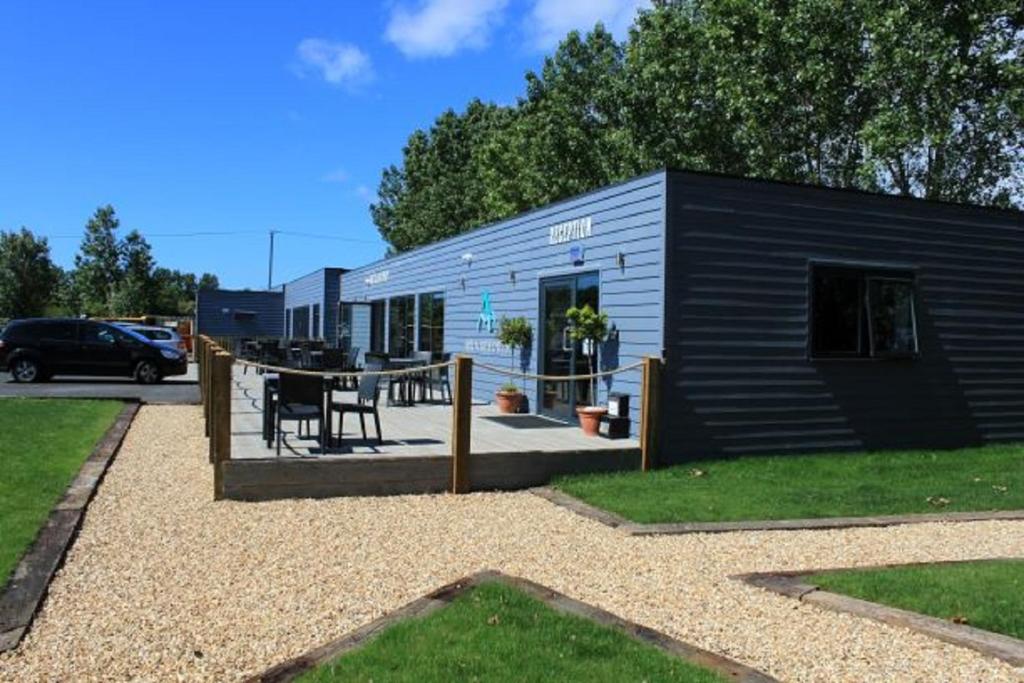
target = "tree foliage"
x: 112, y: 276
x: 29, y: 276
x: 922, y: 98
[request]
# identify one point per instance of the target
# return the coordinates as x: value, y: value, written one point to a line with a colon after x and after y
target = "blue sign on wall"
x: 485, y: 321
x: 577, y: 254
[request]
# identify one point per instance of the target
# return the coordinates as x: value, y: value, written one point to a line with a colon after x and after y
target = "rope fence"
x: 215, y: 381
x: 554, y: 378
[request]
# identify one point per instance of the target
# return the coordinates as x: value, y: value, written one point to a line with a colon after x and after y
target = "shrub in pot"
x: 589, y: 327
x: 515, y: 333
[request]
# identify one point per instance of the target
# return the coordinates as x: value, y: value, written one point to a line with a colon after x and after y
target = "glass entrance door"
x: 558, y: 354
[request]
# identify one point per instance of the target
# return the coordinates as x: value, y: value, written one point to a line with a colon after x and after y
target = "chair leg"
x: 376, y: 422
x: 362, y: 423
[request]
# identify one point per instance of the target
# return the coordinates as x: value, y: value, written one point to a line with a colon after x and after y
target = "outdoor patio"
x: 508, y: 451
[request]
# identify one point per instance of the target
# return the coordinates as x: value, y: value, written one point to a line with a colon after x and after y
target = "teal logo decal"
x: 486, y: 320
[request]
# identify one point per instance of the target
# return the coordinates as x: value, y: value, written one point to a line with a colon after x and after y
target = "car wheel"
x: 26, y: 370
x: 146, y: 372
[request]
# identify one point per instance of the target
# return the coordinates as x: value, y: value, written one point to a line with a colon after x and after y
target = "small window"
x: 862, y: 313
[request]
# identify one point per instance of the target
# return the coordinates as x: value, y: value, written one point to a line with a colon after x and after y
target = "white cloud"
x: 336, y: 63
x: 364, y: 193
x: 550, y: 20
x: 439, y: 28
x: 338, y: 175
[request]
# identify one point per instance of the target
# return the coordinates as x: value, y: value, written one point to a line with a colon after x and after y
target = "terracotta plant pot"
x: 508, y: 401
x: 590, y: 419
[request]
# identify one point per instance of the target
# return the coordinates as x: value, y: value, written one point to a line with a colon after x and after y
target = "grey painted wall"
x: 221, y: 313
x: 627, y: 218
x: 322, y: 287
x: 739, y: 379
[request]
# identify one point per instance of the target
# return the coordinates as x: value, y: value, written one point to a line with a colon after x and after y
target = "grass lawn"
x: 803, y: 486
x: 498, y: 633
x: 987, y: 594
x: 44, y: 443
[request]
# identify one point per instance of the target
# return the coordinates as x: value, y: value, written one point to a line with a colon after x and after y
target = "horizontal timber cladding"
x: 739, y: 379
x: 322, y: 287
x: 239, y: 313
x: 621, y: 232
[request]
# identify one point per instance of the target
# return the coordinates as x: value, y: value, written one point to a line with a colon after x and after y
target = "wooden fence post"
x: 204, y: 380
x: 221, y: 401
x: 462, y: 416
x: 650, y: 396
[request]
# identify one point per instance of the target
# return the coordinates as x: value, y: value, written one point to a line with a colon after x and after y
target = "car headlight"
x: 170, y: 354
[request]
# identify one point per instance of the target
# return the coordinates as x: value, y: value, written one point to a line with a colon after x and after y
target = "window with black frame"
x: 401, y: 326
x: 377, y: 325
x: 862, y: 313
x: 431, y: 316
x: 315, y: 329
x: 300, y: 322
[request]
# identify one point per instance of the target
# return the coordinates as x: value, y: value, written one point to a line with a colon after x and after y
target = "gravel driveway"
x: 164, y: 584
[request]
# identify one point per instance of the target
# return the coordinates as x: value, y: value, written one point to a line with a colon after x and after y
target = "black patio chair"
x: 367, y: 399
x: 300, y: 398
x: 438, y: 377
x: 333, y: 359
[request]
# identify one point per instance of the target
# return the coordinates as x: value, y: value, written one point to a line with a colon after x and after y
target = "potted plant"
x: 515, y: 333
x: 590, y: 328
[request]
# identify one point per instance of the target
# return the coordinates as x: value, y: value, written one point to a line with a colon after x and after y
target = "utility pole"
x: 270, y: 266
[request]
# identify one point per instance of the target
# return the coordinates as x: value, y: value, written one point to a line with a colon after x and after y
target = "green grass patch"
x: 497, y: 633
x: 804, y: 486
x: 43, y: 443
x: 987, y: 594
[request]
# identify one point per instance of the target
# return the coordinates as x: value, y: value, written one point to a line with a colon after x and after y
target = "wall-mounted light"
x: 620, y: 260
x: 467, y: 258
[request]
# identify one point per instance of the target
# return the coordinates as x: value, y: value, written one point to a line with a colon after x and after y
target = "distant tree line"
x: 918, y: 97
x: 112, y: 276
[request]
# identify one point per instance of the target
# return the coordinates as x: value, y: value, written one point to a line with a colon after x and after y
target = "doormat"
x: 526, y: 421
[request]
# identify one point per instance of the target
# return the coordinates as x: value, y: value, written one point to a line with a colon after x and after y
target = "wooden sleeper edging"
x: 293, y: 668
x: 676, y: 528
x: 791, y: 584
x: 26, y: 588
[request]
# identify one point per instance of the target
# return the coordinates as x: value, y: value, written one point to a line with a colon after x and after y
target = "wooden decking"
x: 415, y: 456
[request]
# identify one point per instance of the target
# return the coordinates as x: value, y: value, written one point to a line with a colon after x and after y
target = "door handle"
x: 566, y: 345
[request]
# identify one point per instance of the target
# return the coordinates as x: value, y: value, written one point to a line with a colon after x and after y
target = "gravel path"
x: 164, y: 584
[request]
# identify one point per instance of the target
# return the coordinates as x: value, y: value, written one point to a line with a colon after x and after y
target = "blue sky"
x: 239, y: 117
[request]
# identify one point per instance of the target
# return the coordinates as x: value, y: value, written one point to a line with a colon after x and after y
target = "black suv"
x: 35, y: 349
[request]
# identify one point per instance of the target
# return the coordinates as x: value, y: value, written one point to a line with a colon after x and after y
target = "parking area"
x: 172, y: 390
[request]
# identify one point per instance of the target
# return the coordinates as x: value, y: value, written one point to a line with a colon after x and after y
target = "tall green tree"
x: 29, y: 276
x: 98, y: 262
x: 439, y: 190
x: 946, y: 79
x: 135, y: 292
x: 922, y: 98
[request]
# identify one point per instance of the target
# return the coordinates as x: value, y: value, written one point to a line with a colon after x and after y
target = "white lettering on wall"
x: 380, y: 277
x: 568, y: 231
x: 484, y: 346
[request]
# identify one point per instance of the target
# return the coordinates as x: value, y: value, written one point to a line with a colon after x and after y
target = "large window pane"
x: 431, y: 315
x: 401, y: 326
x: 862, y: 312
x: 892, y: 316
x: 315, y: 329
x: 377, y: 325
x: 836, y: 314
x: 300, y: 322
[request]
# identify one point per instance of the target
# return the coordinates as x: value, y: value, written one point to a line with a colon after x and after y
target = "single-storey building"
x: 239, y: 313
x: 790, y: 317
x: 311, y: 305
